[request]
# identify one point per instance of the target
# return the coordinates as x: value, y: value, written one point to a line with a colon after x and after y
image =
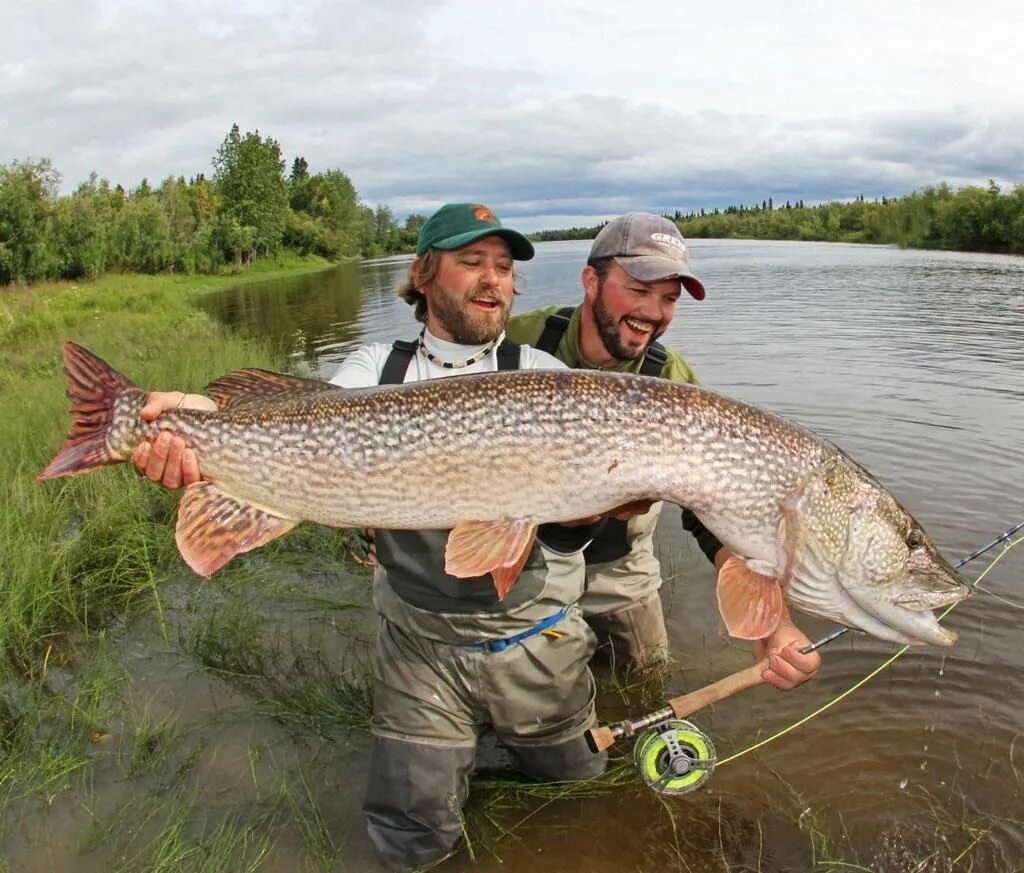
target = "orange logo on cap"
x: 484, y: 214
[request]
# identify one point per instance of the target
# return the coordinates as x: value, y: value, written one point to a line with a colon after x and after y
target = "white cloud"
x: 538, y: 109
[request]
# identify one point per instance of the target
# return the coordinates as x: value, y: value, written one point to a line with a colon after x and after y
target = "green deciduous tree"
x: 83, y: 229
x: 249, y: 182
x: 142, y: 234
x: 28, y: 193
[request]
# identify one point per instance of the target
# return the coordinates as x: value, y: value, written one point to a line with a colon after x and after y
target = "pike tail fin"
x: 94, y: 388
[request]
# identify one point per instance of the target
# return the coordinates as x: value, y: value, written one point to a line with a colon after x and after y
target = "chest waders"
x: 438, y: 632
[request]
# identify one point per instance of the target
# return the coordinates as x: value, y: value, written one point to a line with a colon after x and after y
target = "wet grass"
x: 75, y: 552
x: 291, y: 681
x: 81, y: 560
x: 178, y: 832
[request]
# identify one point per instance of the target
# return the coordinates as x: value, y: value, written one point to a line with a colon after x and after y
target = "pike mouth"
x: 921, y: 600
x: 909, y: 618
x: 882, y: 617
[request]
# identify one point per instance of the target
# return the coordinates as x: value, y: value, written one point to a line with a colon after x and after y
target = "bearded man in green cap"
x: 452, y: 658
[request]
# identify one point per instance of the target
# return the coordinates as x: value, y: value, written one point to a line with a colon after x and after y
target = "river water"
x: 913, y: 362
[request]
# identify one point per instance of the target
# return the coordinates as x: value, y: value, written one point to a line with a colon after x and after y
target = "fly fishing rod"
x: 673, y: 755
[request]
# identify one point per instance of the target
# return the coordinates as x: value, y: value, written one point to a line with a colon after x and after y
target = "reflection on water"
x: 913, y: 362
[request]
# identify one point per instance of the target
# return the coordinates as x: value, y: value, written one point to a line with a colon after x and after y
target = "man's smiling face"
x: 629, y: 314
x: 470, y: 298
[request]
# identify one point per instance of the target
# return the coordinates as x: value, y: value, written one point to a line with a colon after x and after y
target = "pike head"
x: 857, y: 557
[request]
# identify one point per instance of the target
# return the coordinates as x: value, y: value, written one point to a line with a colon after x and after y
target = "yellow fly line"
x: 866, y: 679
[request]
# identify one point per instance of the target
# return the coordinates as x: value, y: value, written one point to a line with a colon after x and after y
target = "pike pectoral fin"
x: 751, y: 603
x: 213, y: 527
x: 496, y: 547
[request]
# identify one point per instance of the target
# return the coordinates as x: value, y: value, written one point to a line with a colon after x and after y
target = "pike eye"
x: 915, y: 539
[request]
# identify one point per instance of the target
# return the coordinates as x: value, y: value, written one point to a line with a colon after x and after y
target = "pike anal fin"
x: 751, y: 604
x: 213, y: 527
x: 500, y: 548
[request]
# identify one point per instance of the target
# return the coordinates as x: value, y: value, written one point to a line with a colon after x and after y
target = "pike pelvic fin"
x: 213, y: 527
x: 242, y: 386
x: 751, y: 604
x: 94, y: 388
x: 500, y: 548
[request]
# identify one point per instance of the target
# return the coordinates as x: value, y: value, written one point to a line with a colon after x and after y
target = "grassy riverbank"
x: 92, y: 591
x: 58, y: 570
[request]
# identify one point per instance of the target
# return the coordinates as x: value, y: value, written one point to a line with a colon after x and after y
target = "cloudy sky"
x: 552, y: 113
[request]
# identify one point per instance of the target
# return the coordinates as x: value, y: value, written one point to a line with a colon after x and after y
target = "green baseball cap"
x: 455, y: 225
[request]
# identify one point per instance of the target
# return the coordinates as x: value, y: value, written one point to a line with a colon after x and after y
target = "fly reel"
x: 674, y: 757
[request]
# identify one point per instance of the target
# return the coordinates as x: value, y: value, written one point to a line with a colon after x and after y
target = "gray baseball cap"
x: 648, y: 247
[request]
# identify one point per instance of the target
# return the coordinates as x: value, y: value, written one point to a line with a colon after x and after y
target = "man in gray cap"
x: 635, y: 274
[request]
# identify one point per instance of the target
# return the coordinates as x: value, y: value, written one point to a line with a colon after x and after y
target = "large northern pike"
x: 492, y: 456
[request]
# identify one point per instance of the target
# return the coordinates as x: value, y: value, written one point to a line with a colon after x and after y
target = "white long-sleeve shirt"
x: 364, y: 366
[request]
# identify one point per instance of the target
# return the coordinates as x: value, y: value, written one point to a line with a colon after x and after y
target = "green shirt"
x: 528, y: 327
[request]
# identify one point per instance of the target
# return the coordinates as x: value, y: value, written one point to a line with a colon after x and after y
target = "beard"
x: 608, y: 328
x: 467, y: 325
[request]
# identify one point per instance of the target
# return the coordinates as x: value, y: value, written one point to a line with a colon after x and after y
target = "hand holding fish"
x: 788, y: 667
x: 169, y: 459
x: 621, y: 513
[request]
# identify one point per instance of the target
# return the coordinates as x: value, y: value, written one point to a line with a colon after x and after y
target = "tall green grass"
x: 75, y: 552
x: 82, y: 558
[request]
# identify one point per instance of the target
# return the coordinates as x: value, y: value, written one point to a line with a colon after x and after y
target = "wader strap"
x: 400, y: 356
x: 397, y: 364
x: 508, y: 355
x: 554, y: 329
x: 654, y: 360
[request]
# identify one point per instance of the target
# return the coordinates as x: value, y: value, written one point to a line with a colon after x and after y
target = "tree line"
x: 249, y: 209
x: 976, y: 219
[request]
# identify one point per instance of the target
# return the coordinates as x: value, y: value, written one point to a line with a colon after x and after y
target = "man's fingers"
x: 159, y: 402
x: 168, y: 460
x: 581, y: 522
x: 172, y: 466
x: 158, y: 457
x: 140, y: 455
x: 189, y: 467
x: 789, y: 668
x: 630, y: 510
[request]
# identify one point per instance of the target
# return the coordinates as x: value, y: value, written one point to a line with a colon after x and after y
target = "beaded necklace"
x: 454, y: 365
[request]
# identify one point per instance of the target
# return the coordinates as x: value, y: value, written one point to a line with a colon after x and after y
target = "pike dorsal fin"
x: 500, y: 548
x: 750, y: 603
x: 213, y: 527
x: 243, y: 386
